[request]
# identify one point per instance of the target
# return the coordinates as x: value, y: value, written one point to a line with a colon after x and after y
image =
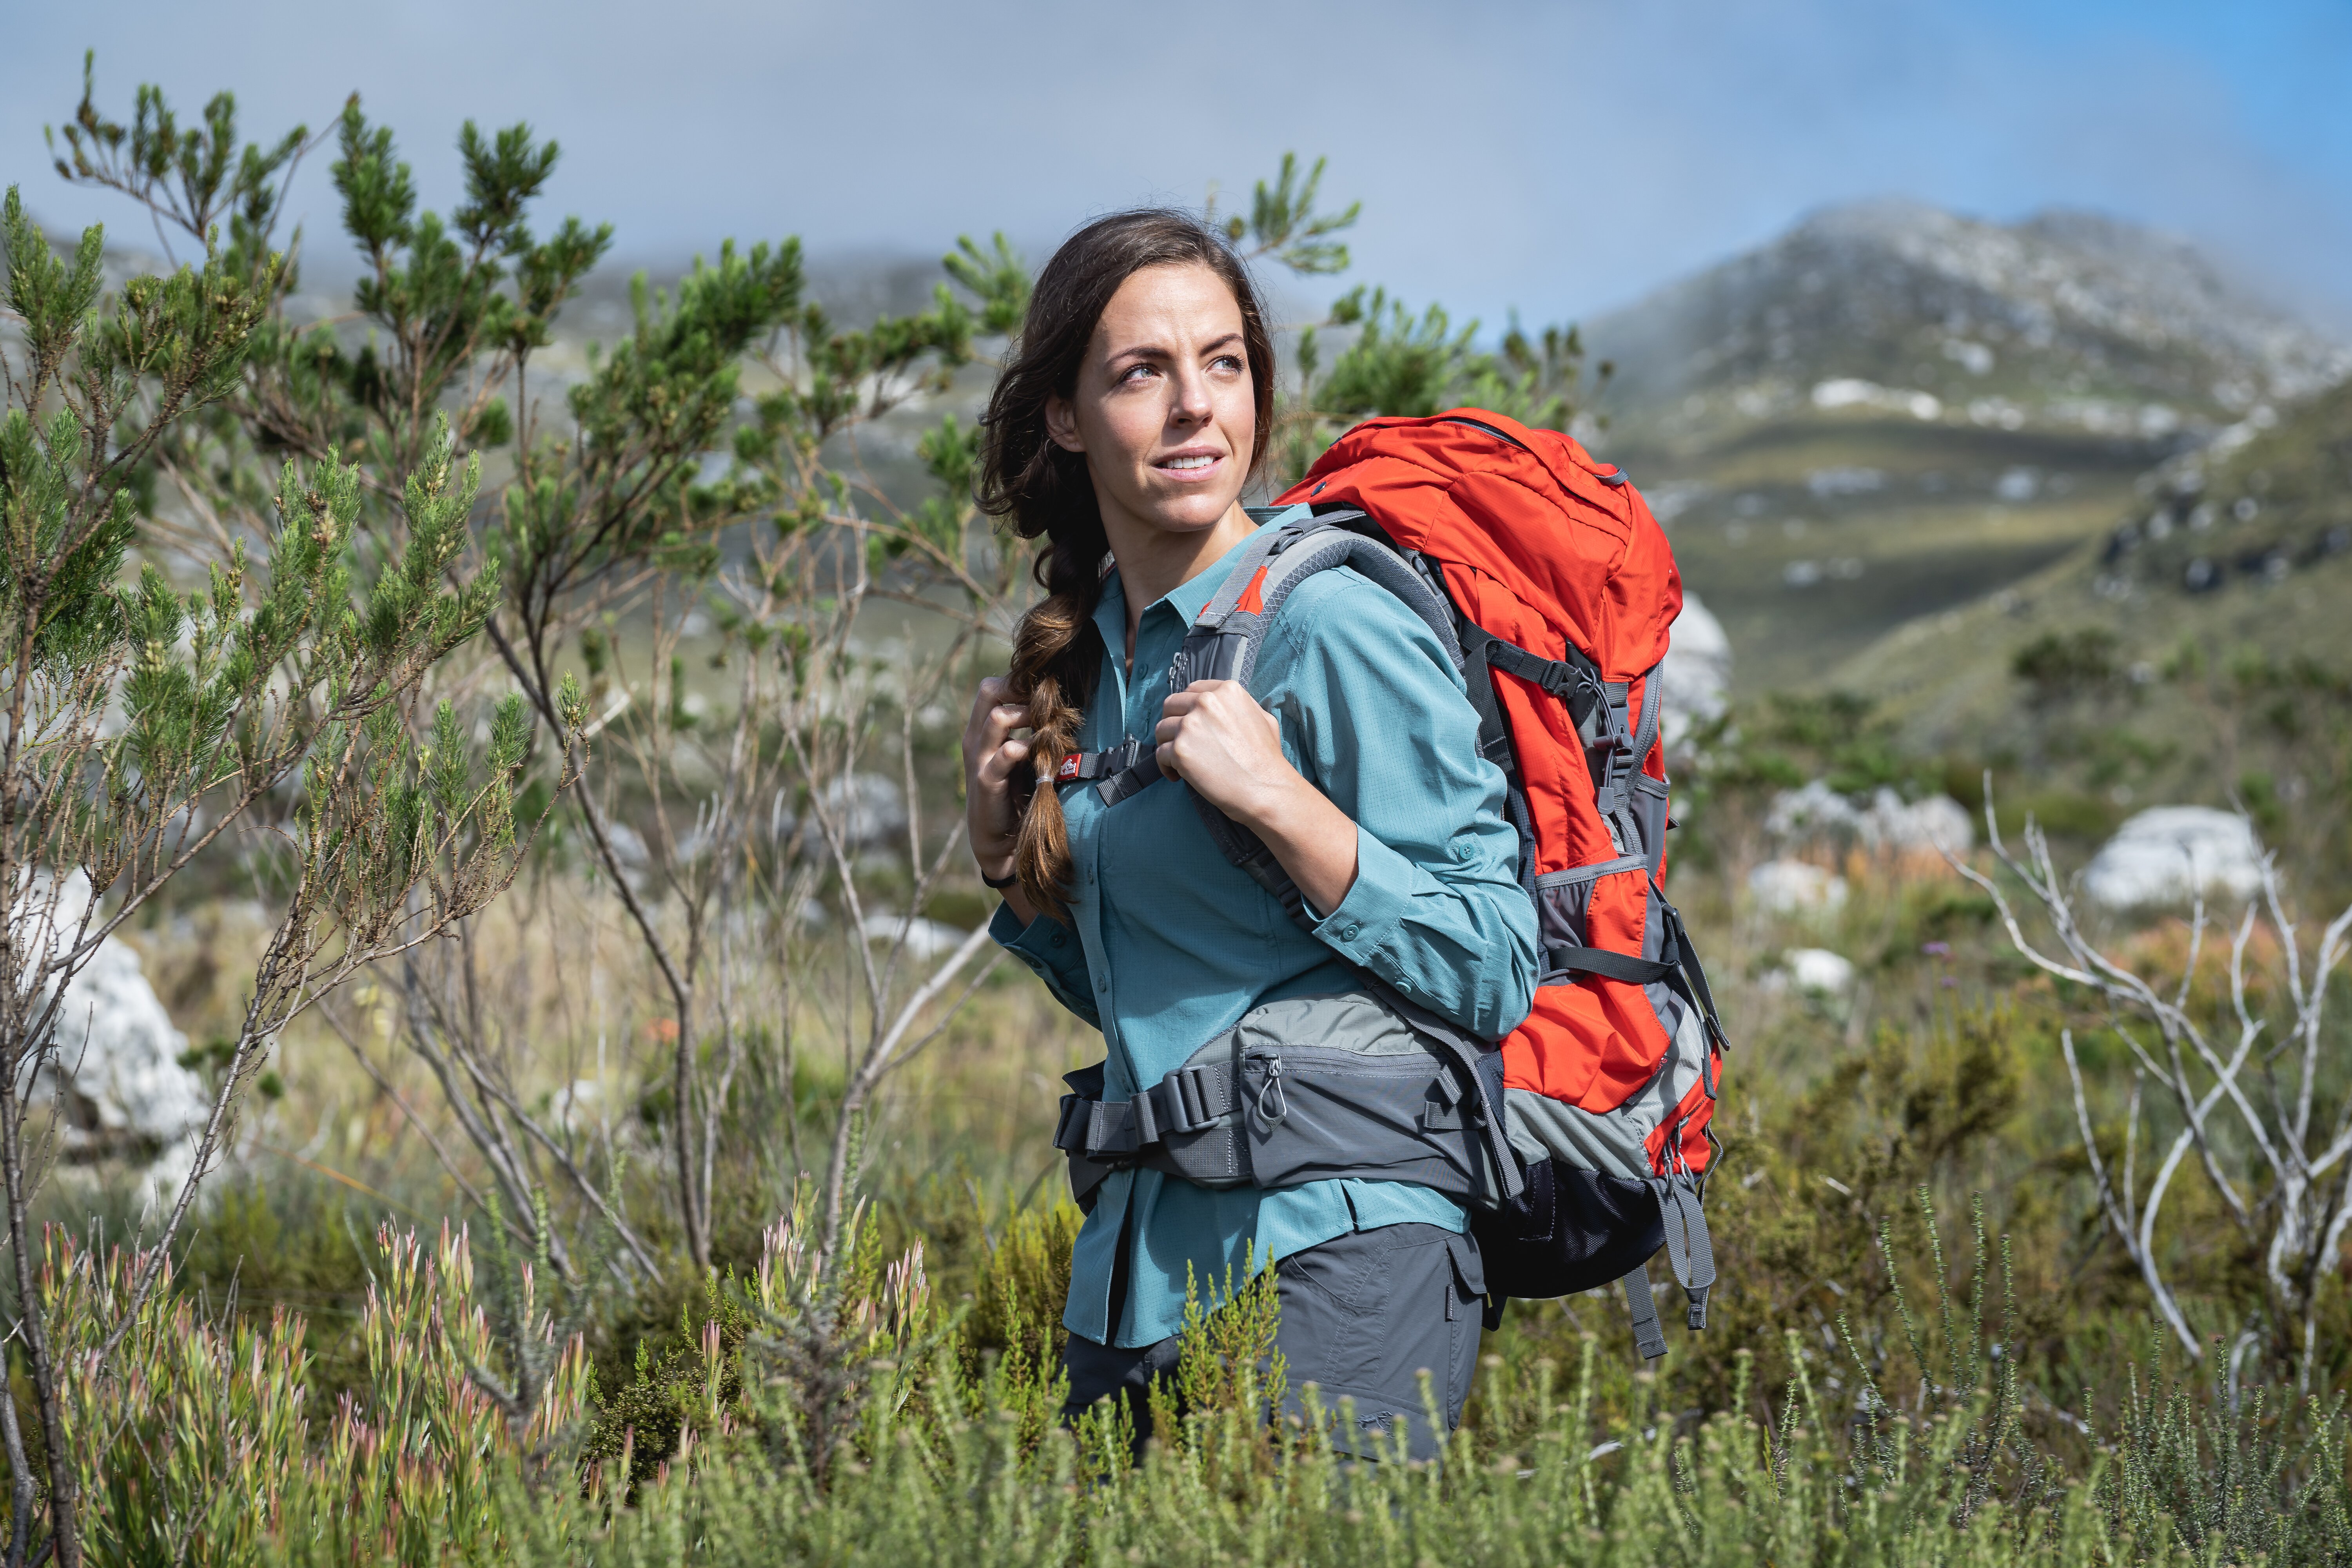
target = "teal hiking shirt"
x: 1172, y: 944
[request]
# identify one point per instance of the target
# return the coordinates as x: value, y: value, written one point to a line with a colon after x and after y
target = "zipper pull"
x: 1272, y: 1090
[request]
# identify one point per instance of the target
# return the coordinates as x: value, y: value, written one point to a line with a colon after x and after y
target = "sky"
x: 1552, y: 159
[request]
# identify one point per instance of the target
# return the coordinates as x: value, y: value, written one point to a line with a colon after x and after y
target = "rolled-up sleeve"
x: 1053, y: 952
x: 1376, y: 716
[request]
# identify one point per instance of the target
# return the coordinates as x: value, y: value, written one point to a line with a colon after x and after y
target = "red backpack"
x: 1564, y: 590
x: 1544, y: 575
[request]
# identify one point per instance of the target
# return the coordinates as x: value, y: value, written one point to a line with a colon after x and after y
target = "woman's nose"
x: 1192, y: 405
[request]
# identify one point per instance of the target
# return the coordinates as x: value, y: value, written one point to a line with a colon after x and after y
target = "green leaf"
x: 996, y: 277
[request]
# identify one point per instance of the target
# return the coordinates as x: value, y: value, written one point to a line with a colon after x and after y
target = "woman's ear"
x: 1062, y: 425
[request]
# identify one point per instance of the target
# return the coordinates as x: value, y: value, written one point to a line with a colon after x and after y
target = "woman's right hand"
x: 991, y: 757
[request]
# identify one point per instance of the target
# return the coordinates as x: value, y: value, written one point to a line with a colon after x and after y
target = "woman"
x: 1132, y: 414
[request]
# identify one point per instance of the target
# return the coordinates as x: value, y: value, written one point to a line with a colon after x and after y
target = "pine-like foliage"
x: 140, y: 724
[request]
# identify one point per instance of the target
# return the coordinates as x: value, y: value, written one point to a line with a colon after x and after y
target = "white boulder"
x: 1811, y: 814
x: 1817, y: 972
x: 1818, y: 815
x: 1795, y: 887
x: 1695, y: 676
x: 2169, y: 854
x: 924, y: 940
x: 120, y: 1058
x: 114, y: 1067
x: 1930, y: 822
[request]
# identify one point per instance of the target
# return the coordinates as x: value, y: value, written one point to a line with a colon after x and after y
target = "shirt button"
x: 1102, y: 983
x: 1057, y: 938
x: 1090, y: 876
x: 1348, y: 933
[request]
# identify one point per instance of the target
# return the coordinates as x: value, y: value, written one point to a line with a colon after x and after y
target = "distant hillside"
x: 2241, y: 551
x: 1891, y: 412
x: 2068, y: 321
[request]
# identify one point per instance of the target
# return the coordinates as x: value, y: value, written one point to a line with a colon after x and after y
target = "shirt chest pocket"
x: 1158, y: 868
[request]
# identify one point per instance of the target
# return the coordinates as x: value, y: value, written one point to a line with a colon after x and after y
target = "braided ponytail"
x: 1044, y: 491
x: 1056, y: 656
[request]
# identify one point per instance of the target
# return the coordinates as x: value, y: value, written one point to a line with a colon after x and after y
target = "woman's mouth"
x: 1189, y: 466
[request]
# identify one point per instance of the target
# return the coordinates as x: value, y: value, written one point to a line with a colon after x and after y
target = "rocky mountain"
x: 2068, y: 321
x: 1892, y: 412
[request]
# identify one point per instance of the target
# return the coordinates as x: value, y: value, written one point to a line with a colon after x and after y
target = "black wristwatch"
x: 1013, y: 880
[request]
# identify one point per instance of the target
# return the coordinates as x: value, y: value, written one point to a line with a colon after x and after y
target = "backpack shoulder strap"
x: 1224, y: 640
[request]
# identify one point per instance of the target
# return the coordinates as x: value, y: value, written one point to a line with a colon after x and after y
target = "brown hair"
x: 1045, y: 489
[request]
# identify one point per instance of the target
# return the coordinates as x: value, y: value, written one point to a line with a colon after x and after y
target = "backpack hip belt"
x: 1304, y: 1089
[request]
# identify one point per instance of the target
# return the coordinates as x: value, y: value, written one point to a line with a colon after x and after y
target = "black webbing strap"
x: 1086, y: 766
x: 1609, y: 965
x: 1143, y: 773
x: 1676, y: 966
x: 1085, y: 1088
x: 1186, y: 1100
x: 1648, y: 1338
x: 1689, y: 978
x: 1575, y: 680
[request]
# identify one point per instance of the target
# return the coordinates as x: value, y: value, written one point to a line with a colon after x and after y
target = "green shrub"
x: 1024, y: 1278
x: 182, y: 1448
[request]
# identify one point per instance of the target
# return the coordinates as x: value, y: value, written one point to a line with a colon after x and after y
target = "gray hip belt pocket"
x: 1301, y: 1090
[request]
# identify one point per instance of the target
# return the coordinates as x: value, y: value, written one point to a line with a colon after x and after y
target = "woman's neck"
x: 1154, y: 560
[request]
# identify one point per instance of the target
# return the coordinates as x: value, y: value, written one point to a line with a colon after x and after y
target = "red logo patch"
x: 1069, y: 769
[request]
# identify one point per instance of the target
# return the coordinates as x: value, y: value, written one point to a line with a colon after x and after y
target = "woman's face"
x: 1164, y: 408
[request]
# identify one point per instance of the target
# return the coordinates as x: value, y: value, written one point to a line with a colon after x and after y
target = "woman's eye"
x: 1136, y: 373
x: 1228, y: 362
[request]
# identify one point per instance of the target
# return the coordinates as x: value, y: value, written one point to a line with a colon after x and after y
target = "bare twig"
x: 2298, y: 1222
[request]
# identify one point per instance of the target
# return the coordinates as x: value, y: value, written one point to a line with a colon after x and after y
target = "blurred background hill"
x: 1893, y: 411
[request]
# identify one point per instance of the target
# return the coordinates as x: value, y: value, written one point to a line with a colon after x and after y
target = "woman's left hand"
x: 1216, y: 737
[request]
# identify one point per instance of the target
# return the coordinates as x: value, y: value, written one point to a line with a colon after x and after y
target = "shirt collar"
x: 1188, y: 598
x: 1110, y: 614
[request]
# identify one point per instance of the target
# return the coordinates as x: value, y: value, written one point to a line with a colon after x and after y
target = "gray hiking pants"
x: 1363, y: 1315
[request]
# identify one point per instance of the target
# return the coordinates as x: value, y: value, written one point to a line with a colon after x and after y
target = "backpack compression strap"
x: 1575, y: 680
x: 1676, y: 966
x: 1224, y: 640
